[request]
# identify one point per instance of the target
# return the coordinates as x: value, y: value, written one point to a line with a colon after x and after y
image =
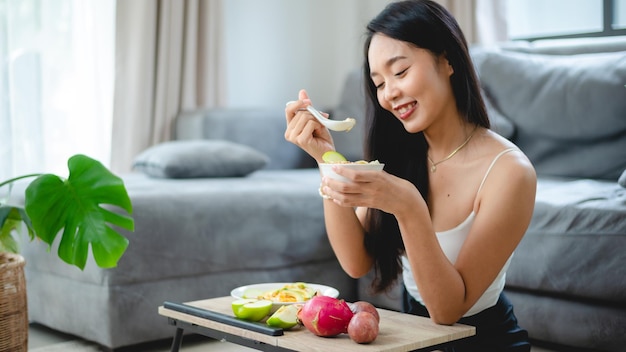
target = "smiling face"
x: 411, y: 82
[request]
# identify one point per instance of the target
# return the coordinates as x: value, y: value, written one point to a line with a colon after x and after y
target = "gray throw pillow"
x: 622, y: 179
x: 199, y: 158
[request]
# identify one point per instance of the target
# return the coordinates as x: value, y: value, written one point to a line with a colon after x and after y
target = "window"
x: 540, y: 19
x: 56, y: 83
x: 620, y: 15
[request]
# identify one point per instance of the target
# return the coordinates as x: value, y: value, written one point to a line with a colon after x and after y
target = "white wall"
x: 276, y: 47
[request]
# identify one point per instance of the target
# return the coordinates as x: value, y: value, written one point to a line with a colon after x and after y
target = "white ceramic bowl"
x: 252, y: 291
x: 326, y: 169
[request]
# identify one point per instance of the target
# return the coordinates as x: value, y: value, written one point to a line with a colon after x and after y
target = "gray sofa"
x: 201, y: 237
x: 195, y: 238
x: 567, y: 102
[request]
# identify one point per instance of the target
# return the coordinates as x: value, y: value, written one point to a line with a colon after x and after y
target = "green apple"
x: 237, y: 304
x: 285, y: 317
x: 332, y: 156
x: 253, y: 293
x: 251, y: 309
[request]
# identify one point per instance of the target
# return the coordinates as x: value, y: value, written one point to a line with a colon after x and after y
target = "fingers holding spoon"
x: 334, y: 125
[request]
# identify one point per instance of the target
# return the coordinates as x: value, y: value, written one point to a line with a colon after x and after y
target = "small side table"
x: 398, y: 332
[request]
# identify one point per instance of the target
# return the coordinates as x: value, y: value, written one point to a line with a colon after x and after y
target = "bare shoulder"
x: 512, y: 167
x: 506, y: 200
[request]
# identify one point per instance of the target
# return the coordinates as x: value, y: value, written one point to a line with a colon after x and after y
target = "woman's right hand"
x: 304, y: 130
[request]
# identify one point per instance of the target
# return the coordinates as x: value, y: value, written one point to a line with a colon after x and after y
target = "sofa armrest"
x: 261, y: 129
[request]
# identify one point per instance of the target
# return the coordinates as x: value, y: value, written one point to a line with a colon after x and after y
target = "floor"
x: 42, y: 339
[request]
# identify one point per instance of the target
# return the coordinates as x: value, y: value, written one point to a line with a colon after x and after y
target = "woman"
x: 454, y: 199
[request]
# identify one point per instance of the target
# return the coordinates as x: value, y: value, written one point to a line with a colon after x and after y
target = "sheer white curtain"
x: 491, y: 22
x: 56, y: 83
x: 168, y: 60
x: 101, y: 77
x: 482, y: 21
x: 106, y: 78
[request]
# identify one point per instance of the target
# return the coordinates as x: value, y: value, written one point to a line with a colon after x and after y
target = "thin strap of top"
x: 491, y: 166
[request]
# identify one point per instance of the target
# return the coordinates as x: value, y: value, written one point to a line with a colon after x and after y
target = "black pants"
x: 496, y: 328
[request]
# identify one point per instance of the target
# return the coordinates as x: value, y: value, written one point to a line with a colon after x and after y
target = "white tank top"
x: 451, y: 242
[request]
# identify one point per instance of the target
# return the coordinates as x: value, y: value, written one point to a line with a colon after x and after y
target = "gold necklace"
x: 433, y: 166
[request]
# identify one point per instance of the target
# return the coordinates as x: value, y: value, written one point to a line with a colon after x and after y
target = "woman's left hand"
x: 371, y: 189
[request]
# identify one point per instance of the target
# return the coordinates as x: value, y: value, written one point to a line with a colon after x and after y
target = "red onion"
x: 363, y: 306
x: 363, y: 327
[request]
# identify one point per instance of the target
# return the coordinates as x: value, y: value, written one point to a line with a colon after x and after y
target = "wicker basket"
x: 13, y: 308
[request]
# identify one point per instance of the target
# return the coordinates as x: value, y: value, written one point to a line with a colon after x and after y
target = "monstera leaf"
x: 11, y: 218
x: 77, y: 207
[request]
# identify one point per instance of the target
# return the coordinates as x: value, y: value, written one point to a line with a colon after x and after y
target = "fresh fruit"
x: 285, y: 317
x: 295, y: 292
x: 325, y: 316
x: 362, y: 306
x: 237, y: 304
x: 332, y: 157
x: 252, y: 293
x: 363, y: 327
x: 251, y: 309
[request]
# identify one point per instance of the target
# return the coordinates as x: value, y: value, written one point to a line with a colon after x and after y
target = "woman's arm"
x: 503, y: 210
x: 345, y: 231
x: 366, y: 189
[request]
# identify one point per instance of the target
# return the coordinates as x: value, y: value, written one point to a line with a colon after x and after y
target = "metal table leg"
x: 178, y: 340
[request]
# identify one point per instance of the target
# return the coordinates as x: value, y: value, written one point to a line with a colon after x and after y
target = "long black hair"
x: 427, y: 25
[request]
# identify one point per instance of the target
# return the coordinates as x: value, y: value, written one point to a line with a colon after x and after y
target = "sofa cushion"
x: 587, y: 325
x: 574, y: 246
x: 262, y: 129
x: 199, y: 158
x: 568, y: 111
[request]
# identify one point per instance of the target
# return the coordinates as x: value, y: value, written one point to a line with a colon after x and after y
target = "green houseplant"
x: 73, y: 206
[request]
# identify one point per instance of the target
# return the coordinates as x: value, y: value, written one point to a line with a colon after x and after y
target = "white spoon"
x: 343, y: 125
